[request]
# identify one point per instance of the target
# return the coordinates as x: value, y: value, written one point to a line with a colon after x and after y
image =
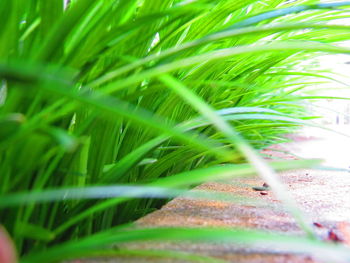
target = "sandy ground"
x: 324, y: 196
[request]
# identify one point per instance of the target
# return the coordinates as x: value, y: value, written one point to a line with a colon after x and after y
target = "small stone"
x: 258, y: 188
x: 264, y: 187
x: 317, y: 225
x: 333, y: 237
x: 263, y: 193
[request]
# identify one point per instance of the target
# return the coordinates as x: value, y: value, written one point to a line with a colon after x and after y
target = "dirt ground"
x: 324, y: 195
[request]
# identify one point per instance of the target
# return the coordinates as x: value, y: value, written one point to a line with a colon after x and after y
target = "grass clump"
x: 141, y: 94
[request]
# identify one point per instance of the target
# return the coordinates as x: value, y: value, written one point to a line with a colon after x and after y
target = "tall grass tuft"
x: 149, y: 97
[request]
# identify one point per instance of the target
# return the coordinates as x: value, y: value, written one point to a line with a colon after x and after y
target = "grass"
x: 142, y: 100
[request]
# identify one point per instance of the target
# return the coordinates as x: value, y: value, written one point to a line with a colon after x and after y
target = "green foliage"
x: 143, y: 93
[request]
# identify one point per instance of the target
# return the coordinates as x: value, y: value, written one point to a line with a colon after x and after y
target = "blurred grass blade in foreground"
x: 157, y: 95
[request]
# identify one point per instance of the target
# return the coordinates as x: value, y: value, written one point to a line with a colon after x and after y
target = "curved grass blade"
x: 189, y: 178
x: 115, y: 254
x: 126, y: 163
x: 221, y: 54
x: 286, y: 11
x: 207, y: 39
x: 262, y: 168
x: 287, y: 244
x: 111, y: 105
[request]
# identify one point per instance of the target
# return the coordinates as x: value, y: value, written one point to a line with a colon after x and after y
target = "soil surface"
x: 324, y: 195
